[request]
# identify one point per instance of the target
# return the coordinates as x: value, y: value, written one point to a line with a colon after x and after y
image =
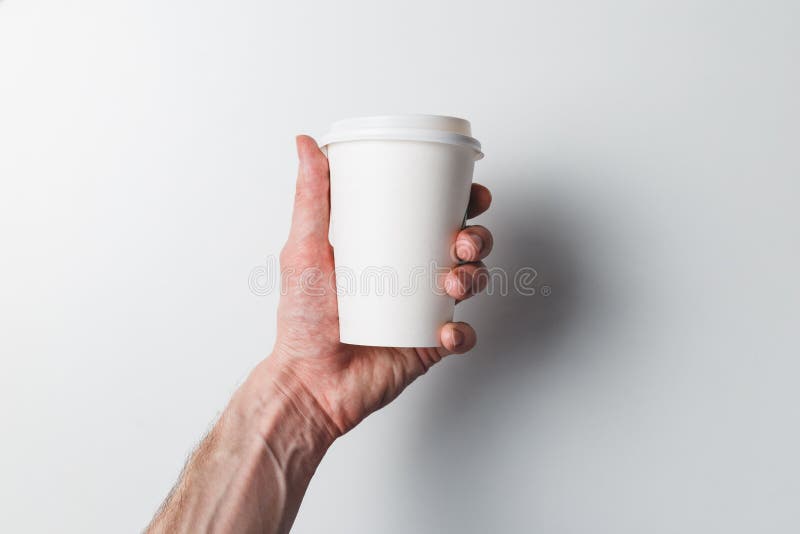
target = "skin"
x: 250, y: 473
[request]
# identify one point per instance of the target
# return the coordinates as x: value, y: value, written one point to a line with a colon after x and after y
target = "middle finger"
x: 463, y: 281
x: 473, y: 243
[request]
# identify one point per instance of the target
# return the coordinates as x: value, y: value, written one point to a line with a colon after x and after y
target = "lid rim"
x: 404, y: 134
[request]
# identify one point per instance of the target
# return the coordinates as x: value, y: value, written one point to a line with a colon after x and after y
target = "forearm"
x: 251, y: 472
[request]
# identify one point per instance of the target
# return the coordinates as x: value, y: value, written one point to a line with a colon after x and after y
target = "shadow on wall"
x: 536, y: 229
x: 459, y: 445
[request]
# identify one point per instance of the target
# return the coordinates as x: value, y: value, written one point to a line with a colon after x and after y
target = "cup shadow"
x: 534, y: 235
x: 520, y: 335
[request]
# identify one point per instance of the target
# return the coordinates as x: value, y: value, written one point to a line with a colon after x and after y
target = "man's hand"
x: 250, y: 473
x: 348, y: 382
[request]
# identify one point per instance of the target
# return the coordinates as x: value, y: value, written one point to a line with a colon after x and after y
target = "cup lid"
x: 430, y: 128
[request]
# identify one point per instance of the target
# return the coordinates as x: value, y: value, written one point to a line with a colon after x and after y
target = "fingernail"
x: 453, y: 285
x: 456, y: 337
x: 469, y: 247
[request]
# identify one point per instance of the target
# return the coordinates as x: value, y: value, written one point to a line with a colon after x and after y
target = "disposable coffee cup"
x: 400, y: 186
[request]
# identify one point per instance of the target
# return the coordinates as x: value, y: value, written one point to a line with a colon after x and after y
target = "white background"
x: 644, y: 159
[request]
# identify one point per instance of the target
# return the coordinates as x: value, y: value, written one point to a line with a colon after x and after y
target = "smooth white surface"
x: 396, y: 209
x: 415, y: 121
x: 643, y: 158
x: 409, y: 127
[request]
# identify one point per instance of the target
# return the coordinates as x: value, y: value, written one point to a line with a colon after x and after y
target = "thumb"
x: 311, y: 201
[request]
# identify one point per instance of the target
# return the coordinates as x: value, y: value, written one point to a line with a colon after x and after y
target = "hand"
x: 348, y: 382
x: 251, y: 471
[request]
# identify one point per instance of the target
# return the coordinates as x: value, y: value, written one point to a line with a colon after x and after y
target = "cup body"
x: 396, y: 208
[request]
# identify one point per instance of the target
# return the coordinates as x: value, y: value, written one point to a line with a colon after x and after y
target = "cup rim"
x: 379, y: 127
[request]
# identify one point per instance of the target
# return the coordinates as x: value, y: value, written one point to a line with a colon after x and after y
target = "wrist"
x: 281, y: 408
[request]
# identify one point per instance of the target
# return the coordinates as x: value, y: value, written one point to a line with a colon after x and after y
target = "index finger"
x: 479, y: 200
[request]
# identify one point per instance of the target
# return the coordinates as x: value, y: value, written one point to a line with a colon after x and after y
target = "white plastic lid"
x: 431, y: 128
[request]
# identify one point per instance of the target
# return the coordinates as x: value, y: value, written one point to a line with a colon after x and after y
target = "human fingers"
x: 465, y: 280
x: 457, y: 338
x: 473, y: 243
x: 311, y: 213
x: 480, y: 198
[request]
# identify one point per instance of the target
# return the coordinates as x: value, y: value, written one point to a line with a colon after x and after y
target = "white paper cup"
x: 400, y: 186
